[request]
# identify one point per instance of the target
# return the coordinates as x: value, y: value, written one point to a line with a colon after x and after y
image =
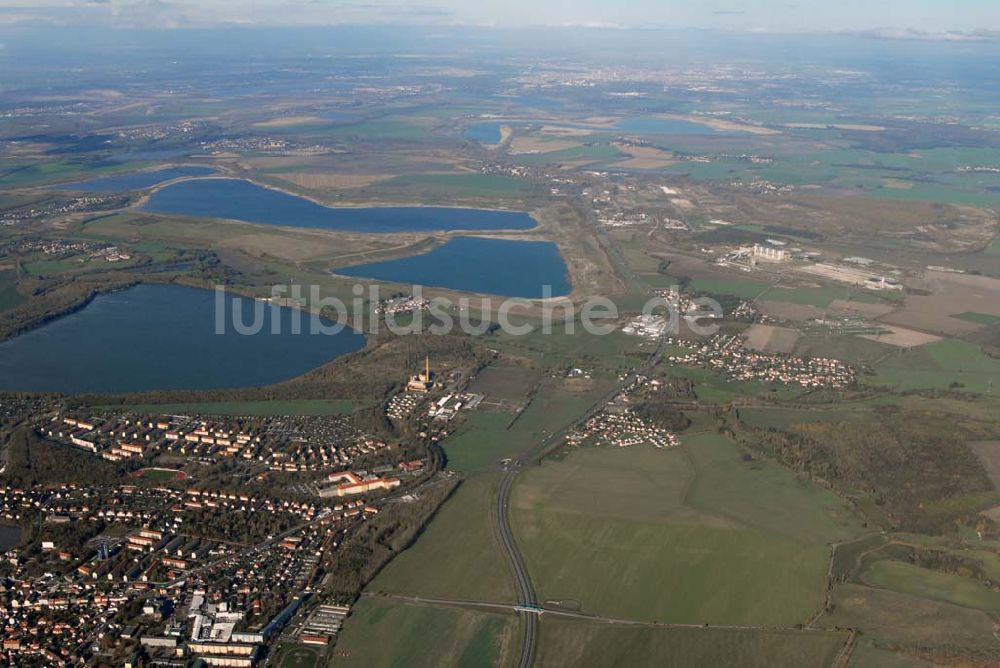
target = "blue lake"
x: 133, y: 180
x: 667, y: 126
x: 237, y: 199
x: 472, y: 264
x: 484, y: 133
x: 164, y: 337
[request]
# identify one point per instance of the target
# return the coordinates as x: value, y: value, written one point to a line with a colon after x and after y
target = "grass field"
x: 689, y: 535
x: 458, y: 555
x: 581, y: 644
x: 504, y: 382
x: 926, y: 583
x: 463, y: 185
x: 299, y: 656
x: 9, y: 294
x: 939, y: 365
x: 866, y: 655
x: 769, y: 417
x: 892, y: 617
x: 612, y: 351
x: 382, y: 633
x: 748, y: 289
x: 485, y: 438
x: 482, y: 441
x: 254, y: 408
x: 851, y: 349
x: 981, y: 318
x: 581, y: 154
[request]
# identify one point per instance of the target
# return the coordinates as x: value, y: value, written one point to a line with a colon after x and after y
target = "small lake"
x: 236, y: 199
x: 471, y: 264
x: 163, y: 337
x: 484, y: 133
x: 9, y: 537
x: 667, y: 126
x: 133, y: 180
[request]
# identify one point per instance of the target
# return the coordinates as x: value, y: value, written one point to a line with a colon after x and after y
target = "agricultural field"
x: 776, y: 417
x: 894, y: 618
x: 458, y: 185
x: 749, y: 289
x: 563, y: 642
x: 482, y: 441
x: 512, y: 383
x: 458, y: 556
x: 9, y: 294
x: 929, y: 584
x: 945, y: 364
x: 674, y: 526
x: 487, y: 437
x: 381, y: 633
x: 610, y: 352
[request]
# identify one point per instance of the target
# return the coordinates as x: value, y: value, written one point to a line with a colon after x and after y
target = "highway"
x: 525, y: 591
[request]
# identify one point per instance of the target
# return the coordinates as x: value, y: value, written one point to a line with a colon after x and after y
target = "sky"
x: 925, y: 19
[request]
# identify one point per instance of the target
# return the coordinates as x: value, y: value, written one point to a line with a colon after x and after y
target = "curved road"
x: 526, y: 593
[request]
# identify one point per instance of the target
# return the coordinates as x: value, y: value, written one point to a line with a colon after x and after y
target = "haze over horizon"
x: 908, y: 19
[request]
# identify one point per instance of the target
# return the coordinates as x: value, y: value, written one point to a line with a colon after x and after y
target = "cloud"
x: 926, y: 36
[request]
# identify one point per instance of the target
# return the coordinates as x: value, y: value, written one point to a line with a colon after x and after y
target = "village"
x: 728, y: 355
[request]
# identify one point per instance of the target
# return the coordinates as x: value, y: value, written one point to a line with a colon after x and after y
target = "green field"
x: 463, y: 185
x: 458, y: 555
x: 254, y: 408
x: 748, y: 289
x: 851, y: 349
x: 385, y: 130
x: 485, y: 439
x: 896, y: 618
x: 981, y: 318
x: 587, y: 153
x: 382, y: 633
x: 865, y: 655
x: 299, y: 656
x: 926, y: 583
x: 9, y: 294
x: 769, y: 417
x: 581, y: 644
x: 613, y: 351
x: 689, y: 535
x: 482, y: 441
x: 939, y: 365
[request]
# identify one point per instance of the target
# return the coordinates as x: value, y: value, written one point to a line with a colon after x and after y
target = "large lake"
x: 237, y: 199
x: 133, y: 180
x: 163, y: 337
x: 484, y: 133
x: 473, y: 264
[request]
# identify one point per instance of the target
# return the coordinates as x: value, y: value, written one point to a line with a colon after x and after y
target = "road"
x: 525, y: 591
